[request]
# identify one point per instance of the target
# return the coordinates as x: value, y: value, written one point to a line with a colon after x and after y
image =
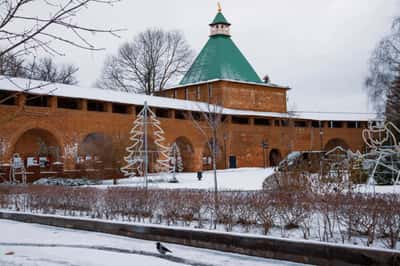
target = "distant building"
x: 68, y: 130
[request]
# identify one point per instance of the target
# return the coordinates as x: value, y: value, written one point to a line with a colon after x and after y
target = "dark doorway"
x: 232, y: 161
x: 274, y: 157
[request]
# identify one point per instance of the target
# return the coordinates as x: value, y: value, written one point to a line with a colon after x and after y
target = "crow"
x: 162, y: 249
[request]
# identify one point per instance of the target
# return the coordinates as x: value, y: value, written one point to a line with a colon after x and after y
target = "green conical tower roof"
x: 220, y: 58
x: 219, y: 19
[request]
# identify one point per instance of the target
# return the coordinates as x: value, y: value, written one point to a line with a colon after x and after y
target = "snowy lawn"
x: 229, y: 179
x: 32, y: 244
x: 378, y: 189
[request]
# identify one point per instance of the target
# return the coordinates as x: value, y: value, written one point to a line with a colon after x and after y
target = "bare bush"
x: 348, y: 215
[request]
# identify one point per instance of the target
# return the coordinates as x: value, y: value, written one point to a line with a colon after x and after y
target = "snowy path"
x: 229, y: 179
x: 32, y: 244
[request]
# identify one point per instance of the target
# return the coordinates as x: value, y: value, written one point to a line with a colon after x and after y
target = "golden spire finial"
x: 219, y: 7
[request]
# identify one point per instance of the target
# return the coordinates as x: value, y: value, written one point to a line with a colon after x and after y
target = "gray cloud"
x: 320, y: 48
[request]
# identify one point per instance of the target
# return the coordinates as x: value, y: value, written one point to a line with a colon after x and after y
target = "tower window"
x: 187, y: 94
x: 210, y: 91
x: 198, y: 93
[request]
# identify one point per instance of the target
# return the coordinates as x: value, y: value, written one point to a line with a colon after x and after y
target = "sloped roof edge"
x: 229, y: 80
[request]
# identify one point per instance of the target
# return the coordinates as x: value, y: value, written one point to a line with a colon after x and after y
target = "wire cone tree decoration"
x: 145, y: 124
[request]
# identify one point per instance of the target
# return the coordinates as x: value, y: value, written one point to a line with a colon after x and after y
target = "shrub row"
x: 330, y: 217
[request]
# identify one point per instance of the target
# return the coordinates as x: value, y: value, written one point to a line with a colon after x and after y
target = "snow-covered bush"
x: 331, y: 217
x: 65, y: 181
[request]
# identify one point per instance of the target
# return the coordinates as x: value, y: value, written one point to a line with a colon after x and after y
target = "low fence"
x: 274, y: 248
x: 34, y: 173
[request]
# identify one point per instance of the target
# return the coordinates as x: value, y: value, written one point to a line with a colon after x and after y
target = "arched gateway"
x: 38, y: 146
x: 187, y: 153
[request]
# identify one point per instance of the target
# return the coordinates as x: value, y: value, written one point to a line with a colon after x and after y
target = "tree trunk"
x: 214, y: 155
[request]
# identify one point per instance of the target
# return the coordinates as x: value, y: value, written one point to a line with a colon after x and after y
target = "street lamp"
x: 264, y: 146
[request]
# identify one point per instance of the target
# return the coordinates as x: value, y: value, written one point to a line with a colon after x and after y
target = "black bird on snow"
x: 162, y: 249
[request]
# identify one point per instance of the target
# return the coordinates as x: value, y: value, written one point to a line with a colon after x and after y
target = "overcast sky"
x: 320, y: 48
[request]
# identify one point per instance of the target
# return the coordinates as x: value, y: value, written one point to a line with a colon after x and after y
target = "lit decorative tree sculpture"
x: 137, y: 159
x: 384, y: 154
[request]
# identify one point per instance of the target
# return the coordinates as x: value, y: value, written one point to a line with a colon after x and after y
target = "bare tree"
x: 23, y: 31
x: 393, y: 101
x: 145, y: 65
x: 384, y: 66
x: 210, y: 123
x: 46, y: 69
x: 11, y: 65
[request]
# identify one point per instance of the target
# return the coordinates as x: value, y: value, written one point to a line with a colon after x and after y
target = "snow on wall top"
x: 62, y: 90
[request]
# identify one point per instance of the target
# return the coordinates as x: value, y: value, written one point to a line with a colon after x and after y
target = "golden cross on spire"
x: 219, y: 7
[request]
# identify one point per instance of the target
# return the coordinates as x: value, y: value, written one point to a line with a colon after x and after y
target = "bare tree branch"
x: 40, y: 31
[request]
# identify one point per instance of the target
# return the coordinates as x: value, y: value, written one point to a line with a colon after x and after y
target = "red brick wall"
x: 69, y: 126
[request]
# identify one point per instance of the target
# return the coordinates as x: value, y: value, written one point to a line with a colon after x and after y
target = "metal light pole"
x: 225, y: 157
x: 145, y: 153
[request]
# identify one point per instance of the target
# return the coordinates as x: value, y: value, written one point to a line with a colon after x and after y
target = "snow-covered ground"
x: 229, y: 179
x: 378, y: 189
x: 32, y: 244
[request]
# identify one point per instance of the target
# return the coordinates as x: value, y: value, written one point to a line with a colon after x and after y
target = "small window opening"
x: 335, y: 124
x: 95, y: 106
x: 68, y: 103
x: 285, y: 123
x: 179, y: 114
x: 300, y: 123
x: 316, y: 124
x: 262, y: 122
x: 240, y: 120
x: 37, y: 100
x: 210, y: 91
x: 7, y: 98
x: 160, y: 112
x: 197, y: 116
x: 138, y: 109
x: 198, y: 93
x: 119, y: 108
